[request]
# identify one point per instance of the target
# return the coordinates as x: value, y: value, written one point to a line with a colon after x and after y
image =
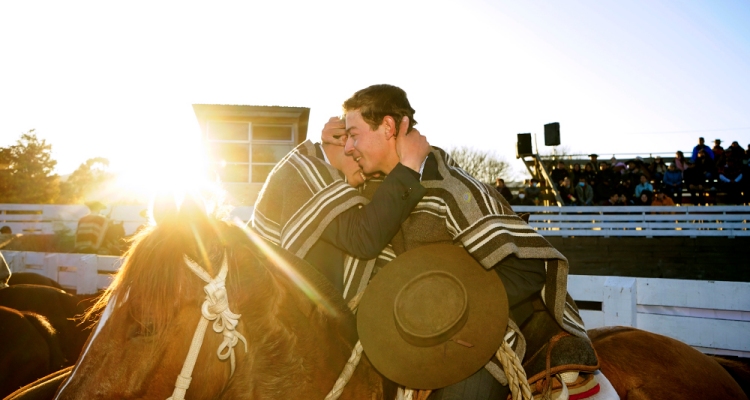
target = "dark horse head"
x: 299, y: 333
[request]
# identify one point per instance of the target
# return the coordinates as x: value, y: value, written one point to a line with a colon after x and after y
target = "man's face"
x: 345, y: 164
x: 368, y: 147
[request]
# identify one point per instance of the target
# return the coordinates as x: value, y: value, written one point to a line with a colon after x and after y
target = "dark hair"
x: 6, y: 229
x: 378, y: 101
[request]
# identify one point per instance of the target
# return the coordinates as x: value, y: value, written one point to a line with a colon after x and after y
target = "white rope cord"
x: 215, y: 308
x: 519, y: 384
x: 346, y: 374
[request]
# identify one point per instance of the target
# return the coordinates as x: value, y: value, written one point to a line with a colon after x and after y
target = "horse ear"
x: 164, y: 208
x: 192, y: 208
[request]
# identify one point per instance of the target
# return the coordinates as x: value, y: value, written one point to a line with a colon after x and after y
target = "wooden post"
x: 51, y: 268
x: 619, y: 303
x: 87, y: 275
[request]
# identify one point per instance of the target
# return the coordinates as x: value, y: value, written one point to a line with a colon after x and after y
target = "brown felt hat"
x: 432, y: 317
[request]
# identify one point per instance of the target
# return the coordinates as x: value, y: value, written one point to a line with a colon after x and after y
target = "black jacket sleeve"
x: 364, y: 232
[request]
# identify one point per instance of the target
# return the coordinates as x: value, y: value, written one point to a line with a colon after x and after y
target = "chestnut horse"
x: 299, y: 333
x: 644, y: 365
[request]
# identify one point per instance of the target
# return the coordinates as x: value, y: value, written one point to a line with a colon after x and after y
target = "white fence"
x: 711, y: 316
x: 642, y: 221
x: 48, y: 219
x: 81, y: 273
x: 691, y: 221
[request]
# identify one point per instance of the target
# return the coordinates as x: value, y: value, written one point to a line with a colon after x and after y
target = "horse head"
x: 293, y: 323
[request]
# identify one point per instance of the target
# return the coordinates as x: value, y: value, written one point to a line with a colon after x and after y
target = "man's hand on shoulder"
x: 334, y: 132
x: 412, y: 147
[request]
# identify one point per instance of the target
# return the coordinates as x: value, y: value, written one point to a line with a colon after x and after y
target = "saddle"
x: 553, y: 355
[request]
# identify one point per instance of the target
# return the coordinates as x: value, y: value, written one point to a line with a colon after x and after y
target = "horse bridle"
x: 214, y: 308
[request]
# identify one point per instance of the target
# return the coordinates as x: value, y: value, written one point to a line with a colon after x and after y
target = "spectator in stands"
x: 706, y: 166
x: 604, y: 184
x: 500, y: 186
x: 657, y: 169
x: 625, y: 188
x: 613, y: 200
x: 644, y: 198
x: 695, y: 183
x: 679, y: 161
x: 644, y: 185
x: 594, y: 163
x: 718, y: 150
x: 661, y: 199
x: 5, y: 230
x: 738, y: 154
x: 559, y: 173
x: 521, y: 199
x: 584, y: 193
x: 566, y: 192
x: 534, y: 191
x: 730, y: 177
x: 673, y: 183
x: 576, y: 173
x: 623, y: 200
x: 701, y: 146
x: 589, y: 171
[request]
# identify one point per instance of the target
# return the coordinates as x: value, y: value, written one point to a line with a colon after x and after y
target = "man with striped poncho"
x: 458, y: 209
x: 310, y: 206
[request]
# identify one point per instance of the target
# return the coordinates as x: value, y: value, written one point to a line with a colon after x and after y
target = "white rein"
x: 215, y: 308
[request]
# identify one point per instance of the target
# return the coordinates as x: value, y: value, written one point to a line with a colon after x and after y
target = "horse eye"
x: 141, y: 329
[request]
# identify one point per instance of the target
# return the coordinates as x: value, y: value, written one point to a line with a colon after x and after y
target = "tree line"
x: 27, y: 174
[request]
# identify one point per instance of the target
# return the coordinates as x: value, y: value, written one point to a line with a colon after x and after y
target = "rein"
x: 214, y: 308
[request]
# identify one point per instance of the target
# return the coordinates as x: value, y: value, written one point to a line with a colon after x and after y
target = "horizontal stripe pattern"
x: 480, y: 219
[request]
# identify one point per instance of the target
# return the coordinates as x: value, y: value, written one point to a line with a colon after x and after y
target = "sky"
x: 117, y: 80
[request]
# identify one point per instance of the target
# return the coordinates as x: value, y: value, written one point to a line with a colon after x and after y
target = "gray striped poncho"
x: 458, y: 209
x: 300, y: 198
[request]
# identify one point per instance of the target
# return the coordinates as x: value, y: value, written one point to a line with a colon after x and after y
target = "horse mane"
x: 153, y: 267
x: 156, y: 283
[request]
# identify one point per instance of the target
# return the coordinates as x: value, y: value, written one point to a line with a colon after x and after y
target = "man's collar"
x: 321, y: 153
x: 430, y: 169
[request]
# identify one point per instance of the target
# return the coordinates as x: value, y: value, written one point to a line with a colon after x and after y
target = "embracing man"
x: 459, y: 210
x: 310, y: 205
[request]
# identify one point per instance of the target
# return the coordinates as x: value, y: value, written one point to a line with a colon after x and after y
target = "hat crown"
x: 431, y: 308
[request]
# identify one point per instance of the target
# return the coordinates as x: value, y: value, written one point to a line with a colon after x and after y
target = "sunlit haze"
x: 117, y: 80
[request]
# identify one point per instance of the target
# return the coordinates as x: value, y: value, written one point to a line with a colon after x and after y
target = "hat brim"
x: 447, y: 363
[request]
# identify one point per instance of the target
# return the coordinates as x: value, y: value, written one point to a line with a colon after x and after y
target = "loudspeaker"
x: 523, y: 146
x: 552, y: 134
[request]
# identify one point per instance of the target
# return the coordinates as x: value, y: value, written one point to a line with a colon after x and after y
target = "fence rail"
x: 644, y: 221
x: 711, y: 316
x: 49, y: 219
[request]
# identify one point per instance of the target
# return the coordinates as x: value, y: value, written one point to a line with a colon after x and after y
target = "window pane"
x: 234, y: 173
x: 260, y: 172
x: 272, y: 132
x: 227, y: 130
x: 270, y: 153
x: 230, y: 152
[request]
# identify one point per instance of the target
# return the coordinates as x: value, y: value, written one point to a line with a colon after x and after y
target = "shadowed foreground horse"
x: 29, y: 349
x: 298, y: 331
x: 61, y: 309
x: 299, y: 334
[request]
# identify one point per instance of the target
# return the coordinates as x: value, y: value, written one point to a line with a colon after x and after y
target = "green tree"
x: 84, y: 181
x: 483, y: 165
x: 26, y: 172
